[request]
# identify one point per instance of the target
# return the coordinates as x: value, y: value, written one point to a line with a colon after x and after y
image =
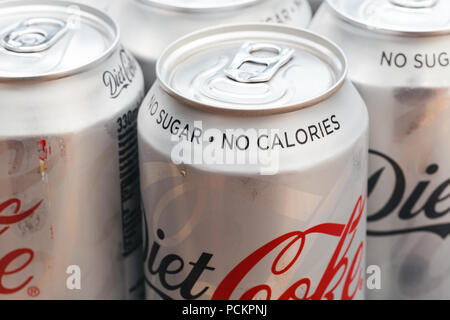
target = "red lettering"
x: 8, y: 220
x: 352, y: 275
x: 291, y: 292
x: 336, y: 269
x: 336, y: 264
x: 9, y: 259
x: 14, y: 255
x: 250, y: 294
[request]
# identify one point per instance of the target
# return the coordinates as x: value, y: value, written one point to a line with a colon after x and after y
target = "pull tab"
x: 414, y: 4
x: 34, y: 35
x: 272, y: 64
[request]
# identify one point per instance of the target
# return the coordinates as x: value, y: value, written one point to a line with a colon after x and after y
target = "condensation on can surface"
x: 67, y: 197
x: 148, y: 26
x: 241, y: 231
x: 408, y: 97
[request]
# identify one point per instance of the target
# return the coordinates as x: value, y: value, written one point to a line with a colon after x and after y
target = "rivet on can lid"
x: 34, y: 35
x: 246, y: 54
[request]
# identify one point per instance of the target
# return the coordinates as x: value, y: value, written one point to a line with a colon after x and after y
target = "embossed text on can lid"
x: 404, y: 16
x: 252, y: 68
x: 52, y: 39
x: 199, y: 5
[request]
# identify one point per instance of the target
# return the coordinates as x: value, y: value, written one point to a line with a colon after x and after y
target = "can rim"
x: 339, y: 82
x: 383, y: 30
x: 77, y: 70
x: 184, y: 9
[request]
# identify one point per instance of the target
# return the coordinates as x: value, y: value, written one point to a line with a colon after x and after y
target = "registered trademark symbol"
x: 33, y: 291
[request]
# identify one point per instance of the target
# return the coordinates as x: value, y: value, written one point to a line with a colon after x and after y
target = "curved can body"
x: 149, y: 26
x: 253, y: 190
x: 69, y: 199
x: 401, y: 69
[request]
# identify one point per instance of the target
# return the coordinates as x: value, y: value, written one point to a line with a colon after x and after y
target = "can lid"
x: 252, y: 68
x: 404, y: 16
x: 199, y: 5
x: 48, y: 39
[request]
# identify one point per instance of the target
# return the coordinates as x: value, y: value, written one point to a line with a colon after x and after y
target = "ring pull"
x: 246, y: 54
x: 34, y: 35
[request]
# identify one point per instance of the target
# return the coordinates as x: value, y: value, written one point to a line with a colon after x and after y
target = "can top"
x: 52, y: 39
x: 199, y: 5
x: 397, y: 16
x: 262, y: 68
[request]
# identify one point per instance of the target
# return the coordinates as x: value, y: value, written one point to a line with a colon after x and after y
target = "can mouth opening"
x: 326, y: 52
x: 199, y: 6
x: 35, y: 46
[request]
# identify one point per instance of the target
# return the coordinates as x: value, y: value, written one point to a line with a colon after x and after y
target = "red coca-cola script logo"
x: 23, y: 254
x: 341, y: 268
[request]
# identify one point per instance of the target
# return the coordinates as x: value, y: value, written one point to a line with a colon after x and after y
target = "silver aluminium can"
x: 253, y: 157
x: 69, y: 182
x: 149, y: 26
x: 400, y: 61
